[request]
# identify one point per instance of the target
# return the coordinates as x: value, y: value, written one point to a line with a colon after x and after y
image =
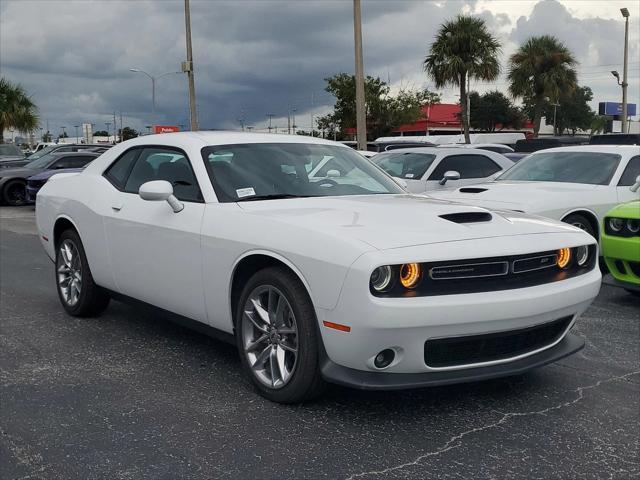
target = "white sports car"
x: 344, y: 278
x: 436, y: 168
x: 576, y: 185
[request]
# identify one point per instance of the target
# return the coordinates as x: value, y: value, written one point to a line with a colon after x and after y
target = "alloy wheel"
x: 270, y: 336
x: 69, y: 272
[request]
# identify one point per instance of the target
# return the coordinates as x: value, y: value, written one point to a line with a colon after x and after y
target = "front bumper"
x: 622, y: 254
x: 31, y: 193
x: 405, y: 324
x: 350, y: 377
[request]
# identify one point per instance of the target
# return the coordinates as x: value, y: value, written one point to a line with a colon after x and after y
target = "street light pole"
x: 153, y: 88
x: 625, y: 14
x: 76, y: 127
x: 361, y: 119
x: 187, y: 67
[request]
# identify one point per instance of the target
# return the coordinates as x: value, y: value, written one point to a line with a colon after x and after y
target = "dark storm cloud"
x: 251, y: 57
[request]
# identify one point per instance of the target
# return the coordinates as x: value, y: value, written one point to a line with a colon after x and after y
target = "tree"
x: 384, y: 112
x: 17, y: 111
x: 101, y: 133
x: 127, y: 133
x: 541, y: 69
x: 573, y: 112
x: 598, y: 124
x: 47, y: 137
x: 492, y: 109
x: 463, y: 50
x: 63, y: 135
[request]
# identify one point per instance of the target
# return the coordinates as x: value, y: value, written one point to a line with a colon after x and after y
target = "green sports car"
x: 621, y: 245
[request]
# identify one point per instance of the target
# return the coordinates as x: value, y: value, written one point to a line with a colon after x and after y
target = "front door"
x: 155, y: 253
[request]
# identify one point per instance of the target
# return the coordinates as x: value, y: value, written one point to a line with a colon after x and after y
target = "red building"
x: 437, y: 119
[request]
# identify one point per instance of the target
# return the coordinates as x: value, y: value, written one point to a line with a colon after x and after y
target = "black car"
x: 10, y: 152
x: 530, y: 145
x: 62, y: 148
x: 13, y: 180
x: 616, y: 139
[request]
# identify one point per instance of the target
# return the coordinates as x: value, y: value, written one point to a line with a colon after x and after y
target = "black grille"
x: 635, y: 268
x: 454, y: 351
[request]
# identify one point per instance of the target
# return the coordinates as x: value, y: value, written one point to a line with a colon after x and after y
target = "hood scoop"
x: 467, y: 217
x: 472, y: 190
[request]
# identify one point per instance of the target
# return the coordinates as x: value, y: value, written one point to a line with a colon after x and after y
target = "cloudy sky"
x: 254, y: 58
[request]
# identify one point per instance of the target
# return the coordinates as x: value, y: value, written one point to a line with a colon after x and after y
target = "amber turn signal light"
x: 410, y: 275
x: 564, y: 257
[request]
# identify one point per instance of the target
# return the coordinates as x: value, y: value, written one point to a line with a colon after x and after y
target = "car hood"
x: 394, y: 221
x: 626, y: 210
x: 11, y: 163
x: 19, y: 172
x: 524, y: 196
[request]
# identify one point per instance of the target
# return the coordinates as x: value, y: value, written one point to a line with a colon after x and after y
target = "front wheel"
x: 78, y: 293
x: 581, y: 222
x: 277, y: 336
x: 14, y: 193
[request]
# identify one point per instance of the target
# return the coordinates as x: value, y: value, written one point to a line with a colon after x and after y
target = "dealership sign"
x: 165, y: 128
x: 615, y: 108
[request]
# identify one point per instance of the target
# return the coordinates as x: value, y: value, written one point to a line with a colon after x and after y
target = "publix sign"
x: 165, y: 128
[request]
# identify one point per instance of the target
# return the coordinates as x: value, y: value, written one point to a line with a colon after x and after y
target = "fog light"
x: 410, y: 275
x: 384, y: 358
x: 564, y: 256
x: 582, y: 255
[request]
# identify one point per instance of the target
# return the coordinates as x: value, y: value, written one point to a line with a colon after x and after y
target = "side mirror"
x: 160, y: 191
x: 635, y: 186
x: 450, y: 175
x: 402, y: 182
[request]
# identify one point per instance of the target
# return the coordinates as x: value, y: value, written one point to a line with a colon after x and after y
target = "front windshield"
x: 10, y: 150
x: 41, y: 162
x: 571, y: 167
x: 409, y: 165
x: 242, y: 172
x: 42, y: 152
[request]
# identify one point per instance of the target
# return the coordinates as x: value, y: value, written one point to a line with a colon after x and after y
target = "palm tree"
x: 16, y: 109
x: 541, y: 69
x: 463, y: 49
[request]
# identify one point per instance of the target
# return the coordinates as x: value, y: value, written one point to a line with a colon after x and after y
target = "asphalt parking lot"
x: 133, y: 395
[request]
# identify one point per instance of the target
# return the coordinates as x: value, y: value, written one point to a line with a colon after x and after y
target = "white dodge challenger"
x: 338, y: 276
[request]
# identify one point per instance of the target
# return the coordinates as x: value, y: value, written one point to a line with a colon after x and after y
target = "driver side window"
x: 157, y: 163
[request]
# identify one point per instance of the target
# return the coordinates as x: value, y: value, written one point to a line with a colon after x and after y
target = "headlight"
x: 410, y: 274
x: 564, y: 257
x: 616, y: 224
x: 582, y: 255
x: 382, y: 278
x: 633, y: 225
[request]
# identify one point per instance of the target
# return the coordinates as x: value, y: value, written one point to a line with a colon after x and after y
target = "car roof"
x: 619, y: 149
x: 441, y: 150
x: 74, y: 154
x: 210, y: 138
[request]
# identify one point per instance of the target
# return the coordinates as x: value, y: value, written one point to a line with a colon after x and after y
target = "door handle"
x: 117, y: 207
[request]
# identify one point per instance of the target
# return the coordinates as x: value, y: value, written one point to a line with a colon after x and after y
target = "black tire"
x: 306, y: 381
x: 92, y: 299
x: 14, y: 193
x: 582, y: 222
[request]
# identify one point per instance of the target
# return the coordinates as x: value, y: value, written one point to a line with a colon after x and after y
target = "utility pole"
x: 312, y: 114
x: 294, y: 121
x: 289, y: 121
x: 625, y: 14
x: 270, y: 115
x: 187, y: 67
x: 555, y: 126
x: 361, y: 120
x: 115, y: 129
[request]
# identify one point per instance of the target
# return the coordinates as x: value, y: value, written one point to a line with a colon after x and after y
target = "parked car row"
x: 19, y: 185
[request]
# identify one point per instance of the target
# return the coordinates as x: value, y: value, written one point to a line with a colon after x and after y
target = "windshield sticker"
x: 409, y: 175
x: 245, y: 192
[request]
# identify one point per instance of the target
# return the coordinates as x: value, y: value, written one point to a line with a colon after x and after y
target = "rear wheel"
x: 14, y: 193
x: 78, y: 293
x: 276, y: 333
